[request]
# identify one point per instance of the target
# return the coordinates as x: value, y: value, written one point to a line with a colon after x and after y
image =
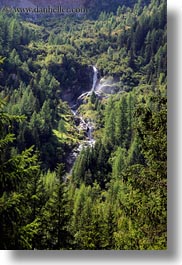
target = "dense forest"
x: 113, y: 194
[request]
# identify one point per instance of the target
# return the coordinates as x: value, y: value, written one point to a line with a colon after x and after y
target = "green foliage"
x: 115, y: 195
x: 16, y: 171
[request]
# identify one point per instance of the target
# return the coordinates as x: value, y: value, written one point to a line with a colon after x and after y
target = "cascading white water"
x: 89, y: 124
x: 94, y: 78
x: 84, y: 125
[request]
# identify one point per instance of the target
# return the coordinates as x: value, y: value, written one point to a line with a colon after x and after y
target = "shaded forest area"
x: 116, y: 194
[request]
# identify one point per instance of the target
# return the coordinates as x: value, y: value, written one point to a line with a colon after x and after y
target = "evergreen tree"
x: 15, y: 172
x: 121, y: 123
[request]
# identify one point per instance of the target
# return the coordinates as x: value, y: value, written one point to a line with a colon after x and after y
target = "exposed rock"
x: 82, y: 85
x: 109, y: 89
x: 107, y: 85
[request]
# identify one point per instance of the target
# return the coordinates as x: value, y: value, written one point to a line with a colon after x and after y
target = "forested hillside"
x: 83, y: 129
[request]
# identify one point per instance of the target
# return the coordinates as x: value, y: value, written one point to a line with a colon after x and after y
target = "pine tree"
x: 121, y: 122
x: 109, y: 133
x: 119, y: 162
x: 15, y: 171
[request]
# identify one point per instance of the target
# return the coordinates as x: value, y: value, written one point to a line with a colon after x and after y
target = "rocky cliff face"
x: 82, y: 83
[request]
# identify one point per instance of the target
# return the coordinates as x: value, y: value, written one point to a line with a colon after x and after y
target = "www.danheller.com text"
x: 44, y: 10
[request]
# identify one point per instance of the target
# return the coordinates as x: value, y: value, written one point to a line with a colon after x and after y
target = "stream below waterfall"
x: 84, y: 125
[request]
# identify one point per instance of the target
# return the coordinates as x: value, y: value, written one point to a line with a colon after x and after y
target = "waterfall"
x: 84, y: 125
x: 94, y: 78
x: 94, y: 83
